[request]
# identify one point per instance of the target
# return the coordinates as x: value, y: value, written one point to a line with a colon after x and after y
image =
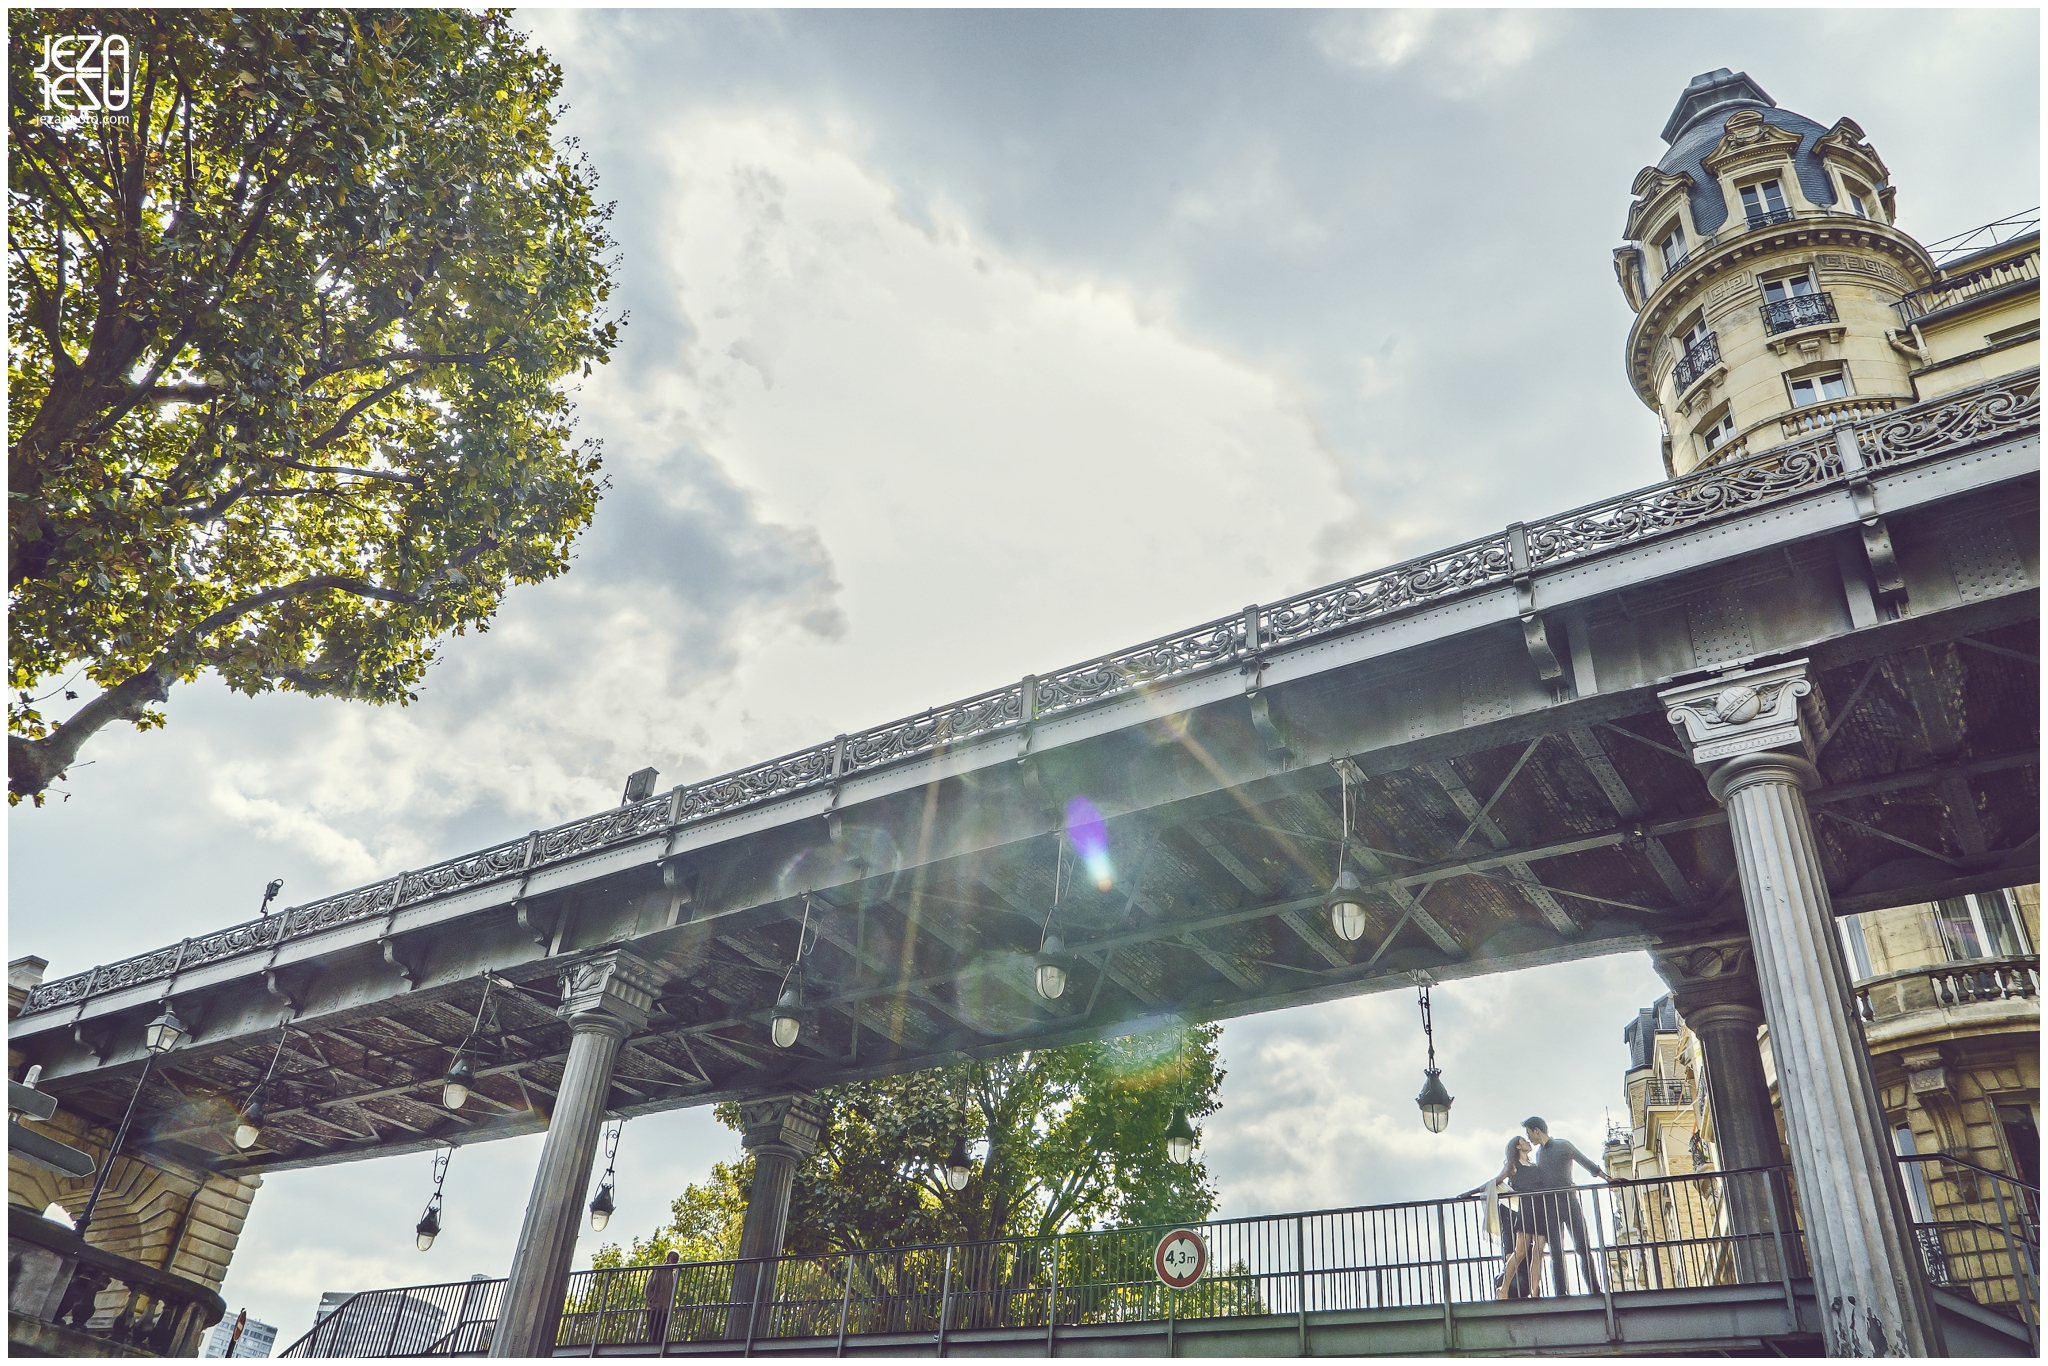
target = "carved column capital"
x: 612, y: 991
x: 1710, y: 972
x: 1738, y: 714
x: 794, y: 1122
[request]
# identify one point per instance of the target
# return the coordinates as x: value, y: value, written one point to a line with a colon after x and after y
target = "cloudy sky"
x: 965, y: 345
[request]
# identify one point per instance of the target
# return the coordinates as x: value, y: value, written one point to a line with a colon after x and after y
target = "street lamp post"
x: 159, y: 1036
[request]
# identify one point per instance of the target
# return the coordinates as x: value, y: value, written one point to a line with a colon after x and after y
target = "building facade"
x: 256, y: 1339
x: 1775, y: 296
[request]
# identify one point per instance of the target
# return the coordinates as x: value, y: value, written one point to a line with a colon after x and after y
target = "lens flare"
x: 1091, y: 841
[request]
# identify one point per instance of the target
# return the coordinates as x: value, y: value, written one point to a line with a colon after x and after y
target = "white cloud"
x: 1456, y: 52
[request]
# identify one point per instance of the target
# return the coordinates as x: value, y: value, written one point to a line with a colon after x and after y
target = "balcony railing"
x: 1818, y: 417
x: 1944, y: 986
x: 1650, y: 1234
x: 1665, y: 1091
x: 1803, y: 310
x: 1979, y: 1234
x: 1702, y: 356
x: 1932, y: 299
x: 69, y: 1298
x: 1770, y: 219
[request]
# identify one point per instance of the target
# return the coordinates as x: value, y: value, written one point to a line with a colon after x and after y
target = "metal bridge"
x: 1669, y: 1275
x: 1526, y: 748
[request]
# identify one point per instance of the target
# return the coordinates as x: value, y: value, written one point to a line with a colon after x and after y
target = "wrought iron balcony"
x: 1801, y: 311
x: 1703, y: 356
x: 1994, y: 278
x: 1667, y: 1091
x: 1770, y: 219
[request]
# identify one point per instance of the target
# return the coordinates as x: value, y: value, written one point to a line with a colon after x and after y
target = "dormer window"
x: 1672, y: 248
x: 1764, y: 204
x: 1856, y: 197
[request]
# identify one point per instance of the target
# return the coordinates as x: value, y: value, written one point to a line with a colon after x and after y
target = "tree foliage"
x: 291, y: 348
x: 1070, y: 1138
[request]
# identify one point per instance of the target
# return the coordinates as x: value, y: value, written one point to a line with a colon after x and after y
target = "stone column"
x: 1713, y: 984
x: 1744, y: 729
x: 604, y: 1000
x: 780, y: 1131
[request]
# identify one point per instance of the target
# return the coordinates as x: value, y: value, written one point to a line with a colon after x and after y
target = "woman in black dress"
x: 1524, y: 1232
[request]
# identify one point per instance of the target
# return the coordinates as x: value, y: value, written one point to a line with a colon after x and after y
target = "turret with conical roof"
x: 1764, y: 270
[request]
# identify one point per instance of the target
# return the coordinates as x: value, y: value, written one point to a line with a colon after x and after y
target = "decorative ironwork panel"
x: 777, y: 777
x: 502, y: 861
x: 1168, y: 657
x: 648, y: 817
x: 1472, y: 565
x: 921, y: 734
x: 1800, y: 311
x: 1964, y: 420
x: 1698, y: 497
x: 1771, y: 219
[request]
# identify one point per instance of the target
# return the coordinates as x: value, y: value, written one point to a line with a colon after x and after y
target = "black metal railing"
x: 1702, y: 356
x: 1719, y: 1228
x: 1667, y: 1091
x: 1770, y: 218
x: 1979, y: 1234
x: 1803, y: 310
x: 1931, y: 299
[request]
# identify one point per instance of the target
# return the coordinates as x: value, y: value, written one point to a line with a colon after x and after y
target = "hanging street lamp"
x: 1053, y: 965
x: 788, y: 1020
x: 1180, y: 1138
x: 1347, y: 907
x: 159, y: 1037
x: 959, y: 1166
x: 251, y: 1126
x: 1434, y: 1101
x: 606, y: 1200
x: 1346, y: 901
x: 429, y: 1226
x: 455, y: 1083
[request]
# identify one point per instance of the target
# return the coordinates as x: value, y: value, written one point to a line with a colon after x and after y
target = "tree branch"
x: 32, y: 765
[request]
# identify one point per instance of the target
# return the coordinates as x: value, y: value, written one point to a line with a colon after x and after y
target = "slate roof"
x: 1697, y: 123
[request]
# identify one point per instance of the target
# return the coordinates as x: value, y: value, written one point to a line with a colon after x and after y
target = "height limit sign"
x: 1181, y: 1258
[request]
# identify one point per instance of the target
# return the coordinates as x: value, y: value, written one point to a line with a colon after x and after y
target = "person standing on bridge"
x: 1521, y: 1232
x: 1553, y: 1166
x: 660, y: 1294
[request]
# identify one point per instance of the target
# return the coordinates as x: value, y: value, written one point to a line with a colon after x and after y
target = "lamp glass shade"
x: 1347, y: 907
x: 163, y: 1033
x: 1434, y: 1101
x: 429, y: 1226
x: 1347, y: 918
x: 251, y: 1125
x: 1052, y: 968
x: 959, y: 1167
x: 788, y: 1020
x: 601, y: 1207
x: 1180, y: 1138
x: 456, y: 1082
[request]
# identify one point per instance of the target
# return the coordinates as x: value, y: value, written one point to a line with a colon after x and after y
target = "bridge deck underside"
x: 1498, y: 822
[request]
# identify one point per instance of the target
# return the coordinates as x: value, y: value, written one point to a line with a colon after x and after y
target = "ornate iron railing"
x: 1933, y: 298
x: 1667, y: 1091
x: 1702, y: 356
x: 1770, y: 218
x: 1987, y: 412
x: 1803, y: 310
x: 1652, y: 1234
x: 1979, y: 1234
x: 1941, y: 986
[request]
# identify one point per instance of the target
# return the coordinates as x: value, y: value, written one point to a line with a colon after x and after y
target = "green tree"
x: 1071, y: 1139
x: 291, y: 348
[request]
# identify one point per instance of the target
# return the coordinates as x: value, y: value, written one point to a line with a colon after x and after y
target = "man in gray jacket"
x: 1553, y: 1162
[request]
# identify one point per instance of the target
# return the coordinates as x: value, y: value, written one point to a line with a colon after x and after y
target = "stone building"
x: 1775, y: 295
